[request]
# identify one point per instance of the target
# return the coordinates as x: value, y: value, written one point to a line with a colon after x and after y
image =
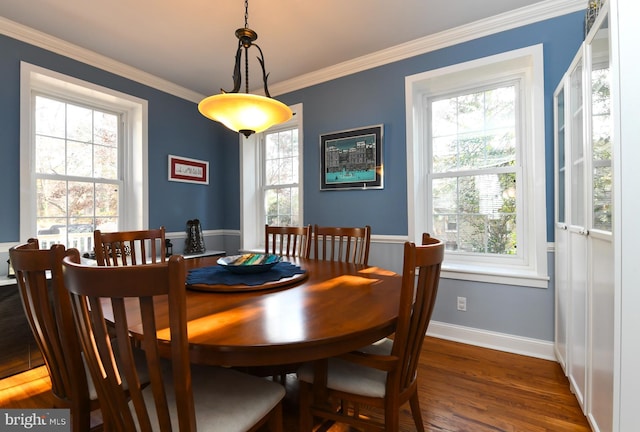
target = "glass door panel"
x: 577, y: 148
x: 601, y: 131
x: 561, y: 168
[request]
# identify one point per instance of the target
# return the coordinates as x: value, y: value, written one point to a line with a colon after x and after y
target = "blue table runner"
x: 218, y: 275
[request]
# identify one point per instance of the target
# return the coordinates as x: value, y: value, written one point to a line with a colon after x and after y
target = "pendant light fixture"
x: 243, y: 112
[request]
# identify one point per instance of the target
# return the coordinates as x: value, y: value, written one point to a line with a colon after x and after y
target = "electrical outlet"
x: 462, y: 304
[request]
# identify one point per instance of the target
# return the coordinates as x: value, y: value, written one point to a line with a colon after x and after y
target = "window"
x: 475, y: 166
x: 473, y: 176
x: 281, y: 177
x: 84, y: 147
x: 271, y: 175
x: 76, y: 171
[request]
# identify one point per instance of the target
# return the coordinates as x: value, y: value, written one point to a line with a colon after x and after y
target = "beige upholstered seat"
x: 48, y: 310
x: 180, y: 396
x: 348, y: 244
x: 123, y: 248
x: 288, y: 241
x: 384, y: 374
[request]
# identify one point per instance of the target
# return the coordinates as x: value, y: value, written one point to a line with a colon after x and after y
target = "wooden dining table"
x: 337, y: 307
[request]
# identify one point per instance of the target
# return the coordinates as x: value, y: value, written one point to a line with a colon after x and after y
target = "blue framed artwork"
x: 352, y: 159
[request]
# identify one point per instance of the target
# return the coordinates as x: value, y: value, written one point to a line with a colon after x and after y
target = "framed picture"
x: 352, y: 159
x: 182, y: 169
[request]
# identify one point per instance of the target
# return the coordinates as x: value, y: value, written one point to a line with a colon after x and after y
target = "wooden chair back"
x: 124, y: 248
x: 88, y: 285
x: 347, y: 244
x: 288, y: 241
x: 47, y: 306
x: 384, y: 374
x: 420, y: 280
x: 139, y: 390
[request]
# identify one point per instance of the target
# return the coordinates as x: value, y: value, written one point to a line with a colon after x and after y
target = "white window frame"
x: 531, y: 269
x: 134, y: 206
x: 252, y: 214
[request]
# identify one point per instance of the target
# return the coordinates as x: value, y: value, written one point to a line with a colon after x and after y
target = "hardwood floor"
x: 462, y: 388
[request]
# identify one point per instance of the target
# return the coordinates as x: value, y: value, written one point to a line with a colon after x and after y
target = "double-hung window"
x: 281, y: 181
x: 76, y: 171
x: 81, y: 157
x: 474, y: 172
x: 476, y: 166
x: 271, y: 164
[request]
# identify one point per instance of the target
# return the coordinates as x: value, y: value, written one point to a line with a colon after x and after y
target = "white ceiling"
x: 192, y: 43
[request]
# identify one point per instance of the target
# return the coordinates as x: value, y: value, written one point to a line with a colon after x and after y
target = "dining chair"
x: 348, y: 244
x: 124, y: 248
x: 180, y: 396
x: 47, y: 306
x: 288, y: 240
x: 384, y: 374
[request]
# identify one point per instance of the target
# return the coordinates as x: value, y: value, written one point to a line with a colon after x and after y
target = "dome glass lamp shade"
x: 243, y: 112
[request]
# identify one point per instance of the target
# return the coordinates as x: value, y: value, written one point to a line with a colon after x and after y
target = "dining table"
x: 328, y: 308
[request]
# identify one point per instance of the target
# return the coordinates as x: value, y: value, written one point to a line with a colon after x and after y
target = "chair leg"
x: 275, y: 420
x: 391, y: 415
x: 414, y: 402
x: 280, y: 378
x: 80, y: 420
x: 306, y: 398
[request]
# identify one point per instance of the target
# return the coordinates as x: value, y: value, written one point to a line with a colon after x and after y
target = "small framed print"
x: 182, y: 169
x: 352, y: 159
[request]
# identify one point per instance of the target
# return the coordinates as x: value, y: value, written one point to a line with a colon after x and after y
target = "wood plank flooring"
x: 462, y: 388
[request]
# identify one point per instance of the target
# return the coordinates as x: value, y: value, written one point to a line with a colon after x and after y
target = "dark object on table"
x: 217, y: 279
x: 195, y: 238
x: 249, y: 263
x: 168, y: 247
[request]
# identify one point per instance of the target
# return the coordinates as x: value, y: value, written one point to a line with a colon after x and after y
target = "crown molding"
x: 527, y: 15
x: 517, y: 18
x: 59, y: 46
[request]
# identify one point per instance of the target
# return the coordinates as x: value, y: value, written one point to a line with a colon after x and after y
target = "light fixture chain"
x: 246, y: 13
x: 246, y: 68
x: 246, y: 47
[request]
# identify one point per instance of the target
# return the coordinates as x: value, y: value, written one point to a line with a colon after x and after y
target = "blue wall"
x: 175, y: 127
x: 370, y: 97
x: 377, y: 96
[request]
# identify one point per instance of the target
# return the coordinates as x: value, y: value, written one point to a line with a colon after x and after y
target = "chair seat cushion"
x: 225, y: 400
x: 381, y: 347
x: 352, y: 378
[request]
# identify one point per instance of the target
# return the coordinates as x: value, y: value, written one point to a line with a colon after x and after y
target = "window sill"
x: 5, y: 281
x: 496, y: 275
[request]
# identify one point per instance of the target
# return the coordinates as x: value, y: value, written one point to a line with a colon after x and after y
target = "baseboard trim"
x: 494, y: 340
